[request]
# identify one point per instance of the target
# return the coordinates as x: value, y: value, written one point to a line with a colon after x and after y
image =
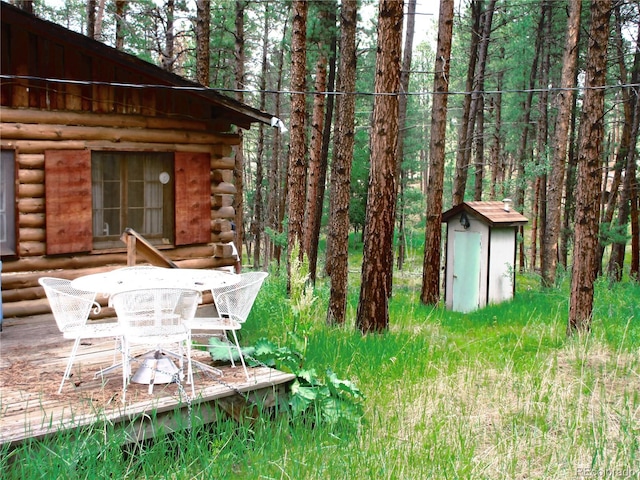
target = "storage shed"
x: 94, y: 140
x: 481, y: 243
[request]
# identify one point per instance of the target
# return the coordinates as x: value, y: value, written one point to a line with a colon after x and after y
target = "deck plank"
x: 33, y: 356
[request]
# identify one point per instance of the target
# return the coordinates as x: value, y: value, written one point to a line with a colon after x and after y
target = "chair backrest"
x: 70, y: 306
x: 236, y: 299
x: 151, y: 312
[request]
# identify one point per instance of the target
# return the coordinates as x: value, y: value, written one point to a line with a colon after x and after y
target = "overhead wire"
x: 199, y: 88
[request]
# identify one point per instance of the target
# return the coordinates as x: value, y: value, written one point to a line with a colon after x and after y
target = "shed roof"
x: 124, y: 64
x: 493, y: 213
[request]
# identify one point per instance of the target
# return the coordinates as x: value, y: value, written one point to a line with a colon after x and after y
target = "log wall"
x: 29, y: 133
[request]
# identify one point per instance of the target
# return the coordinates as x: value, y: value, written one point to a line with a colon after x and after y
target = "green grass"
x: 500, y: 393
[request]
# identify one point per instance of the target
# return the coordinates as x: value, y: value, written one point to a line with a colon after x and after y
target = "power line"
x: 198, y: 88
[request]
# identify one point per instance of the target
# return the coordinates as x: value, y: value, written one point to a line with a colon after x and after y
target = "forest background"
x: 536, y: 100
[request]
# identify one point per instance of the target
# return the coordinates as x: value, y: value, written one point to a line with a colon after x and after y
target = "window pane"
x: 144, y: 204
x: 7, y: 198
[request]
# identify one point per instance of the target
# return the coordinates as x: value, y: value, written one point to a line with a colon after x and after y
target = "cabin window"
x: 135, y: 190
x: 7, y: 203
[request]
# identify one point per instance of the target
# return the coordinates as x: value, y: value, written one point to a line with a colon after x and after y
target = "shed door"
x: 466, y: 271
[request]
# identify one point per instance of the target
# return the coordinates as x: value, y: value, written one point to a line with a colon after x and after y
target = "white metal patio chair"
x: 156, y: 317
x: 233, y: 302
x: 71, y: 308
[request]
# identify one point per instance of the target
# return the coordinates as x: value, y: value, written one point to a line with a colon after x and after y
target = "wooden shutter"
x: 193, y: 198
x: 68, y: 201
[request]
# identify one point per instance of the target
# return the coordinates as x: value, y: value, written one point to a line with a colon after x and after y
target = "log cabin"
x: 94, y: 141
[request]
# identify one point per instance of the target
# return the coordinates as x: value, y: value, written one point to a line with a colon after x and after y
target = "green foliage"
x: 609, y: 233
x: 313, y: 397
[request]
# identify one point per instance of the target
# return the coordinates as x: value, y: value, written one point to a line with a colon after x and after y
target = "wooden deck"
x: 33, y: 356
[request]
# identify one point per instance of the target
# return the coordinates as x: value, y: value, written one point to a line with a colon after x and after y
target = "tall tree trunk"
x: 324, y: 151
x: 203, y: 33
x: 430, y: 293
x: 589, y: 168
x: 166, y: 59
x: 276, y: 177
x: 92, y: 6
x: 402, y: 121
x: 560, y: 141
x: 477, y: 102
x: 297, y: 144
x: 97, y: 31
x: 498, y: 167
x: 338, y: 231
x: 524, y: 136
x: 258, y: 202
x: 377, y: 262
x: 315, y: 175
x: 626, y: 150
x: 634, y: 268
x: 238, y: 169
x: 566, y: 233
x: 464, y: 142
x: 542, y: 135
x: 120, y: 23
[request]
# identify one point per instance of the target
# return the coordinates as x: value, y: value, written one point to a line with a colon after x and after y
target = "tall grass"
x: 500, y: 393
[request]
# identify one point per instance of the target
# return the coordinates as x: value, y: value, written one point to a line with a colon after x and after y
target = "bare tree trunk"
x: 542, y: 133
x: 589, y: 178
x: 324, y: 152
x: 276, y: 176
x: 464, y: 142
x: 297, y: 144
x: 315, y: 174
x: 566, y: 233
x: 377, y: 262
x: 167, y: 60
x: 120, y: 23
x: 338, y: 231
x: 238, y: 168
x: 97, y: 33
x: 497, y: 165
x: 561, y: 135
x: 477, y: 102
x: 430, y: 293
x: 203, y: 33
x: 258, y: 210
x: 626, y: 151
x: 524, y: 136
x: 91, y: 18
x: 402, y: 121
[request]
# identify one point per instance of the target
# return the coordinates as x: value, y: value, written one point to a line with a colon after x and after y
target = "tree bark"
x: 340, y: 184
x: 203, y: 33
x: 324, y: 151
x: 464, y: 142
x: 297, y: 145
x: 560, y: 143
x: 377, y: 262
x: 402, y: 121
x: 626, y: 151
x: 433, y: 231
x: 258, y: 202
x: 589, y: 172
x: 120, y: 23
x: 167, y: 60
x: 238, y: 170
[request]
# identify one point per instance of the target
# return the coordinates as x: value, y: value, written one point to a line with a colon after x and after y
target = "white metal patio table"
x: 133, y: 278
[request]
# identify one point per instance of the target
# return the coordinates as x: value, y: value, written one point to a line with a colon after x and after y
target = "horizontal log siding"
x: 32, y: 132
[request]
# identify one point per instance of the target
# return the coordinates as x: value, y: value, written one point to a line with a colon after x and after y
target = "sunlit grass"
x: 501, y: 393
